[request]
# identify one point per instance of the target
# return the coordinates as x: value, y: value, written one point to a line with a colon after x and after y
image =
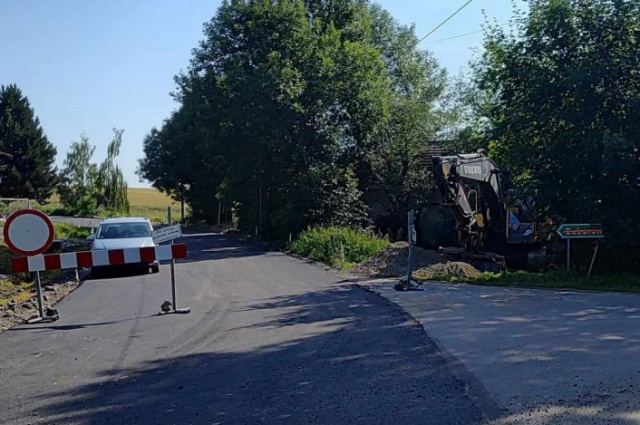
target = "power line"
x: 455, y: 36
x: 462, y: 35
x: 443, y: 22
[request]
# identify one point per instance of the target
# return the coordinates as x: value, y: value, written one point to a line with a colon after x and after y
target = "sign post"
x: 219, y: 198
x: 568, y: 254
x: 580, y: 231
x: 163, y: 235
x: 593, y: 259
x: 410, y: 232
x: 30, y: 233
x: 411, y: 239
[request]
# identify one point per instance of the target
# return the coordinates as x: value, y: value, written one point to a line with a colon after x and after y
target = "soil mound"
x: 451, y: 269
x: 392, y: 261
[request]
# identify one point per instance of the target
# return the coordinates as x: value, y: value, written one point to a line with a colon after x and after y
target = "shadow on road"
x: 337, y: 356
x: 78, y: 325
x: 118, y: 272
x: 212, y: 246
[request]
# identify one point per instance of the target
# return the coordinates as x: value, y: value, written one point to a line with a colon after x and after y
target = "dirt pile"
x: 449, y: 269
x: 428, y: 265
x: 392, y: 261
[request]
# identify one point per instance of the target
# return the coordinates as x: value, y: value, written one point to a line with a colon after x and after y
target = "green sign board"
x: 580, y: 231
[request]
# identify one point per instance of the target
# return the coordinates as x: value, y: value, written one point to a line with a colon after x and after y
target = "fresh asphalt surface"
x: 544, y: 356
x: 269, y: 340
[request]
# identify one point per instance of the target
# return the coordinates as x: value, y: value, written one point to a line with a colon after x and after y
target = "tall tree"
x: 110, y: 181
x: 78, y: 189
x: 86, y: 186
x: 293, y: 109
x: 393, y: 175
x: 281, y: 103
x: 32, y: 172
x: 564, y: 90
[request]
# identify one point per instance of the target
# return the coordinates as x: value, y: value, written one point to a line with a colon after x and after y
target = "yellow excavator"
x: 491, y: 234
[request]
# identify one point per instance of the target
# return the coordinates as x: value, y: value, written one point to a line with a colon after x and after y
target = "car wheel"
x: 155, y: 268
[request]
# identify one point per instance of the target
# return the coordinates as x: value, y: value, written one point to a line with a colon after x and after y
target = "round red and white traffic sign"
x: 28, y: 232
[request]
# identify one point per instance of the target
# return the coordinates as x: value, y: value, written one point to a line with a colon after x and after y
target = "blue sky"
x: 88, y: 66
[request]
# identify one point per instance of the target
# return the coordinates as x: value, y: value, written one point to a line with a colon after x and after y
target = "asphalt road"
x: 269, y: 340
x: 545, y: 356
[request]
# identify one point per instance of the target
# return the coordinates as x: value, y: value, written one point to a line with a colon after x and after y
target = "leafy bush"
x: 325, y: 244
x: 69, y: 231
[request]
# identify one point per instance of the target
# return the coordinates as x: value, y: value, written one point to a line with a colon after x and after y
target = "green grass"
x: 553, y: 279
x: 148, y: 197
x: 155, y: 214
x: 5, y: 259
x: 338, y: 247
x: 151, y: 203
x: 69, y: 231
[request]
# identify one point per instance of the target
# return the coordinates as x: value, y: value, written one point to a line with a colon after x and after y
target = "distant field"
x: 144, y: 202
x: 149, y: 197
x: 152, y: 203
x: 146, y: 196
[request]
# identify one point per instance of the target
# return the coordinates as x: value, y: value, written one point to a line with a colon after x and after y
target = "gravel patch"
x: 16, y: 312
x: 450, y: 269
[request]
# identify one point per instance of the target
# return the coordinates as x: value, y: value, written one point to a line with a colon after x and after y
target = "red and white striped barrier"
x: 88, y: 259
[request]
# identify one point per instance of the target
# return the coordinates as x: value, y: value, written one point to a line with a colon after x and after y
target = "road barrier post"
x: 173, y: 308
x: 39, y: 294
x: 411, y: 239
x: 410, y: 230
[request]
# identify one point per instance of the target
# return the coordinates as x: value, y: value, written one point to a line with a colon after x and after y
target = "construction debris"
x: 442, y: 271
x: 428, y: 265
x: 392, y: 261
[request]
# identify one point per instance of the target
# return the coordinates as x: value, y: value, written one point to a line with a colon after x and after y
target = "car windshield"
x: 123, y: 231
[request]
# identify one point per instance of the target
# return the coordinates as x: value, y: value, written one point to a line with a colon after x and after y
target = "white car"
x: 122, y: 233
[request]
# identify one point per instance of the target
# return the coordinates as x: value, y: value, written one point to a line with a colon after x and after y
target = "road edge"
x: 474, y: 388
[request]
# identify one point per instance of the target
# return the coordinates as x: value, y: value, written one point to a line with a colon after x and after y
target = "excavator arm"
x: 471, y: 188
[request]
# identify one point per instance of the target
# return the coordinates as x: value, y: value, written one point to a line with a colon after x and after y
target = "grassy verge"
x: 5, y: 258
x: 16, y: 287
x: 157, y: 214
x: 17, y: 292
x: 338, y: 247
x: 554, y: 279
x: 69, y: 231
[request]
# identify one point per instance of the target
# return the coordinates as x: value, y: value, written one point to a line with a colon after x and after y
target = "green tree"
x: 78, y: 189
x: 86, y: 186
x: 293, y: 110
x: 277, y: 98
x: 564, y: 91
x: 394, y: 175
x: 32, y: 172
x: 180, y: 161
x: 110, y: 183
